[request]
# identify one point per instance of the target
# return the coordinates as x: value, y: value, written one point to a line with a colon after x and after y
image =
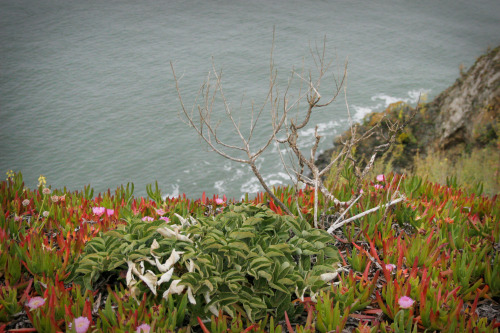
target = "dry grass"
x: 481, y: 165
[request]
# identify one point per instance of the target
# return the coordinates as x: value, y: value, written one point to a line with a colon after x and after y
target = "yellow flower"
x: 41, y: 181
x: 10, y: 174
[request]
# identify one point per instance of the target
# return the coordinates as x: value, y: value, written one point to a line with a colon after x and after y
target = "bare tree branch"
x: 285, y: 130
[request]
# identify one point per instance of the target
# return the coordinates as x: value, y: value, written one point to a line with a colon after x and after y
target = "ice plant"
x: 35, y: 302
x: 219, y: 201
x: 161, y: 212
x: 390, y: 267
x: 54, y: 198
x: 26, y: 202
x: 164, y: 218
x: 46, y: 190
x: 110, y: 212
x: 82, y: 324
x: 378, y: 186
x: 143, y: 328
x: 98, y: 210
x: 148, y: 219
x: 405, y: 302
x: 381, y: 178
x: 45, y: 214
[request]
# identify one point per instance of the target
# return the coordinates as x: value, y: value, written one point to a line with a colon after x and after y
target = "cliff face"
x: 471, y: 105
x: 463, y: 117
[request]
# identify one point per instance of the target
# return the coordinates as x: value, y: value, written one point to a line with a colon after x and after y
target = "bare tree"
x: 285, y: 128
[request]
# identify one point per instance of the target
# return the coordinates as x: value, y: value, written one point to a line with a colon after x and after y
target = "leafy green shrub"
x: 247, y: 259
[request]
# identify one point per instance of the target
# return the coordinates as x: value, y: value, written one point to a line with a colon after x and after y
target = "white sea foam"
x: 238, y: 174
x: 227, y: 166
x: 175, y: 192
x: 306, y: 136
x: 323, y: 128
x: 361, y: 111
x: 219, y: 186
x: 253, y: 185
x: 412, y: 97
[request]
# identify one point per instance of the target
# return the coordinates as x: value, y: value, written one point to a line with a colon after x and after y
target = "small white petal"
x: 155, y: 245
x: 190, y: 296
x: 142, y: 267
x: 190, y: 266
x: 152, y: 262
x: 328, y: 276
x: 193, y: 220
x: 168, y: 233
x: 174, y: 257
x: 165, y: 277
x: 207, y: 297
x: 129, y: 276
x: 150, y: 279
x: 184, y: 221
x: 174, y: 288
x: 214, y: 310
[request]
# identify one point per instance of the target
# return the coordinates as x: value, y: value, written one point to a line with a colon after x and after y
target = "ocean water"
x: 87, y: 94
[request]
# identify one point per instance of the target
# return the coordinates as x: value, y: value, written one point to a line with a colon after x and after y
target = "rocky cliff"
x: 468, y: 110
x: 464, y: 116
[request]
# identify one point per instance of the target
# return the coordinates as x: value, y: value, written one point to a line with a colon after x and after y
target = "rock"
x: 464, y: 116
x: 468, y: 104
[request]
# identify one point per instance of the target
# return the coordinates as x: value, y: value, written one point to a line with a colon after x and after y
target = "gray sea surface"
x: 87, y: 94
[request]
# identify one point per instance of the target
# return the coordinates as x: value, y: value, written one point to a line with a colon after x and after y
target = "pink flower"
x: 110, y: 212
x: 164, y: 218
x: 35, y: 302
x: 26, y: 202
x: 82, y: 324
x: 148, y: 219
x: 405, y: 302
x: 219, y: 201
x: 46, y: 190
x: 143, y: 328
x: 361, y: 191
x: 98, y: 210
x: 381, y: 178
x: 390, y: 267
x: 161, y: 212
x: 378, y: 186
